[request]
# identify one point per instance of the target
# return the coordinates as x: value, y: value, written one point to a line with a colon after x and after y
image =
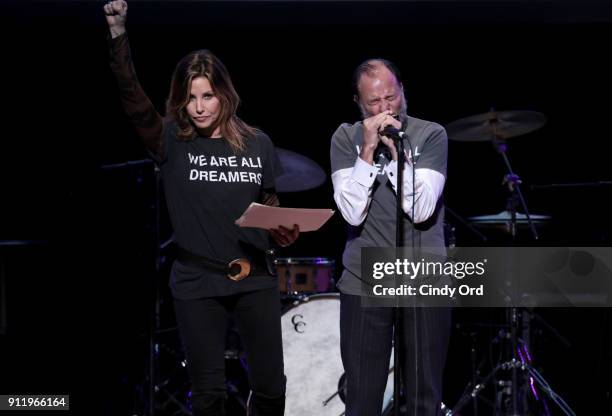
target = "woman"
x: 213, y: 166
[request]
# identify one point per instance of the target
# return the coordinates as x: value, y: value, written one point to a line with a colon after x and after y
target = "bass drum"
x: 311, y: 346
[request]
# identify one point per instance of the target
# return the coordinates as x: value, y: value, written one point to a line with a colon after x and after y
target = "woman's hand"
x: 116, y: 16
x: 285, y: 236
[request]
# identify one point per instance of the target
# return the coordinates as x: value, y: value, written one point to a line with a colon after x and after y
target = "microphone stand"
x: 154, y: 313
x: 152, y: 365
x: 399, y: 242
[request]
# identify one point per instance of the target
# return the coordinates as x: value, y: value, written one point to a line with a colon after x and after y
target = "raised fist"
x: 116, y: 16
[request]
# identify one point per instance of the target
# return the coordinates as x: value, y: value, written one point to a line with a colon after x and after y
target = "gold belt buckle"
x: 245, y: 269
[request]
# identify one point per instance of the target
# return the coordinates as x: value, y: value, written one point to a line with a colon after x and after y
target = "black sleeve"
x: 139, y: 108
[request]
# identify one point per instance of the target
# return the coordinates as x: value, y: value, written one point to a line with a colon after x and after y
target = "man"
x: 364, y: 180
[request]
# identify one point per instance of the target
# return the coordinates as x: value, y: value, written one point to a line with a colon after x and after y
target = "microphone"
x: 392, y: 133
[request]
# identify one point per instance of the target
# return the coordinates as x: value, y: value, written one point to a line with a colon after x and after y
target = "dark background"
x: 78, y: 293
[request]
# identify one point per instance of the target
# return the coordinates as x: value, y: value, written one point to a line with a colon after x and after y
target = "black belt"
x: 235, y: 270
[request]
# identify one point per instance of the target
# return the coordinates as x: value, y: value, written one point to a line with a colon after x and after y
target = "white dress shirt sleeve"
x: 427, y: 190
x: 353, y: 190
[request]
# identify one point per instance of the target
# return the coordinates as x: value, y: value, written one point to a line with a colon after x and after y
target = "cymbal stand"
x: 513, y: 181
x: 520, y: 326
x: 518, y: 322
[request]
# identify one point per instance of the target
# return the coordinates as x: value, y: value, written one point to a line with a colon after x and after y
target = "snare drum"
x: 313, y: 366
x: 305, y: 274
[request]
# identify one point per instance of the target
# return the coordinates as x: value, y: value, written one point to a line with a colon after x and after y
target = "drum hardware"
x: 445, y: 410
x: 341, y: 389
x: 505, y: 387
x: 513, y: 182
x: 173, y: 392
x: 236, y: 383
x: 171, y: 398
x: 341, y: 392
x: 496, y: 127
x: 172, y: 388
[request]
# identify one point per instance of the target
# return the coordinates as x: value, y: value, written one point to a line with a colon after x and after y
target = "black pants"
x: 203, y: 323
x: 366, y: 336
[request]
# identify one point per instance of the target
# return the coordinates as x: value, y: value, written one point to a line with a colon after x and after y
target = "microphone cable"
x: 412, y: 157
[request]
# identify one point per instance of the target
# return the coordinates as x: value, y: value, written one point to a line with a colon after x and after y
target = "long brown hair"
x: 203, y: 63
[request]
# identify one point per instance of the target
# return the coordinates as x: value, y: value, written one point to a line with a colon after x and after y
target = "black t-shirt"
x: 208, y: 186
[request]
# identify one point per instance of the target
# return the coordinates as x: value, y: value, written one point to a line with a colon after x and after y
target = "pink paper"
x: 264, y: 216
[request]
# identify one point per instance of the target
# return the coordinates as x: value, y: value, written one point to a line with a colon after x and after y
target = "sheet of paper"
x: 264, y: 216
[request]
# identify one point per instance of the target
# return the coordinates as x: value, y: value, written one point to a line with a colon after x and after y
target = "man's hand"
x: 390, y: 121
x: 285, y: 236
x: 372, y: 126
x: 116, y: 16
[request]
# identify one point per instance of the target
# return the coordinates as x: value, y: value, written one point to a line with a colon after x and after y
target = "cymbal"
x: 504, y: 217
x: 495, y: 124
x: 300, y: 173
